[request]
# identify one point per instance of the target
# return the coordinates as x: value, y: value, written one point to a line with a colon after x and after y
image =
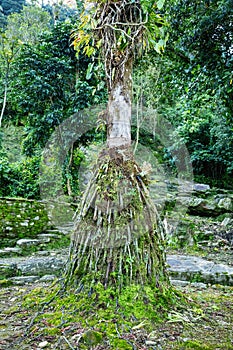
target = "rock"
x: 201, y: 200
x: 210, y: 206
x: 53, y: 231
x: 22, y: 217
x: 150, y: 343
x: 225, y: 203
x: 227, y: 221
x: 13, y: 250
x: 179, y: 283
x: 42, y: 266
x: 43, y: 344
x: 21, y: 280
x: 54, y: 253
x: 191, y: 268
x: 27, y: 242
x: 183, y: 270
x: 5, y: 253
x: 199, y: 285
x: 92, y: 337
x: 47, y: 278
x: 48, y: 235
x: 191, y: 202
x: 31, y: 269
x: 44, y: 240
x: 2, y: 252
x: 201, y: 187
x: 9, y: 251
x: 66, y: 229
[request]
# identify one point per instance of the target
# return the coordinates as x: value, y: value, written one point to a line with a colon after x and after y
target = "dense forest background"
x: 42, y: 83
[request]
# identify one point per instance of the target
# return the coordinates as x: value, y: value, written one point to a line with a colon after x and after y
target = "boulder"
x: 201, y: 187
x: 42, y: 266
x: 193, y: 268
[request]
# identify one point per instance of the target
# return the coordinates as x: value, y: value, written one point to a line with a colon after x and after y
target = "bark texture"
x: 119, y: 108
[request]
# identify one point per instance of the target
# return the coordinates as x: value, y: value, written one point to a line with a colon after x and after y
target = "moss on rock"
x: 21, y: 217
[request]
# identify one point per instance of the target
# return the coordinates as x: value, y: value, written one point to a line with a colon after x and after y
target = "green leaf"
x: 89, y: 50
x: 89, y: 71
x: 160, y: 4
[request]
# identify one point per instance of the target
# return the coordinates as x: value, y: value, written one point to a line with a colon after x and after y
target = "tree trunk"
x: 119, y: 109
x: 118, y: 238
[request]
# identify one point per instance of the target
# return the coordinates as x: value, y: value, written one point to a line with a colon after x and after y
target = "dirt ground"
x: 207, y: 325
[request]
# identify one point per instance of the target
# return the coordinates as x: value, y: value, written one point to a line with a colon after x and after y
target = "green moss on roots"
x: 118, y: 239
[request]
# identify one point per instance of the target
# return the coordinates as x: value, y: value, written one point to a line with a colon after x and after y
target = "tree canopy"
x: 7, y: 7
x: 196, y: 84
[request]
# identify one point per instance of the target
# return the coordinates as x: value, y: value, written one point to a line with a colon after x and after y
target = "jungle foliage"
x: 190, y: 84
x: 196, y: 84
x: 47, y: 84
x: 7, y: 7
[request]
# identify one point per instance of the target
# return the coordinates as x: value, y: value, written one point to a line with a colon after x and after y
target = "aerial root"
x: 118, y: 237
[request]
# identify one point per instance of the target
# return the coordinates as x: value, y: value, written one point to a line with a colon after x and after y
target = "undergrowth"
x: 137, y: 319
x: 103, y: 315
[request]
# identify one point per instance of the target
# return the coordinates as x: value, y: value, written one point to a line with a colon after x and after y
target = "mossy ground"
x: 201, y: 320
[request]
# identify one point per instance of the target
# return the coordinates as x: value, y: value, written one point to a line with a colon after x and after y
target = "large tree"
x: 118, y: 237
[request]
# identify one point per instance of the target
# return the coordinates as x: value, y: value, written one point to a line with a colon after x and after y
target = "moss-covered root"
x: 118, y: 238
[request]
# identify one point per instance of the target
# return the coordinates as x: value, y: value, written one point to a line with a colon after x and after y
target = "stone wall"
x: 21, y: 218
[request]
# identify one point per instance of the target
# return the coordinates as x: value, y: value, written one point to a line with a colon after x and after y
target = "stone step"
x: 193, y: 268
x: 39, y: 241
x: 181, y: 267
x: 66, y: 229
x: 8, y: 251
